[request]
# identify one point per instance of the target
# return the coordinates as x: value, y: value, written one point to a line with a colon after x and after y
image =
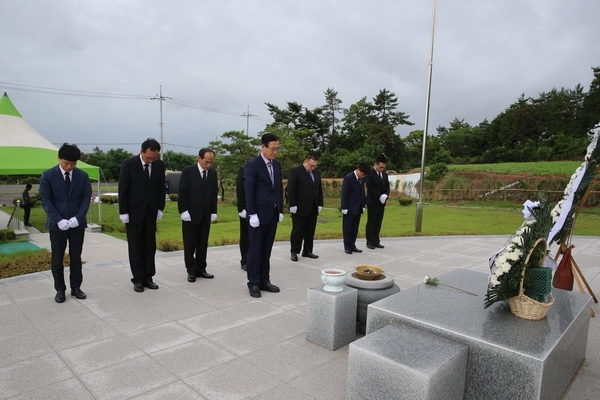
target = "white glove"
x: 383, y: 198
x: 319, y: 209
x: 73, y: 223
x: 242, y: 214
x: 159, y: 214
x: 185, y: 216
x: 63, y: 224
x: 254, y: 222
x: 345, y: 211
x: 294, y: 209
x: 124, y: 218
x: 280, y: 217
x: 213, y: 217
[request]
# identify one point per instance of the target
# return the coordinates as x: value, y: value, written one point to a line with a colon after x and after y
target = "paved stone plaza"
x: 210, y: 339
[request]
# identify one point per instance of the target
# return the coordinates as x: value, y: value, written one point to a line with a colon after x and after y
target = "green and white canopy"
x: 23, y: 151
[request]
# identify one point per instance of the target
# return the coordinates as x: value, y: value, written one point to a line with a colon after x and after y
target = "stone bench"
x: 399, y: 362
x: 331, y: 319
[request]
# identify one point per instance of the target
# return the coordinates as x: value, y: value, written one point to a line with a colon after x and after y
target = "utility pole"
x: 248, y: 115
x: 419, y: 213
x: 161, y: 98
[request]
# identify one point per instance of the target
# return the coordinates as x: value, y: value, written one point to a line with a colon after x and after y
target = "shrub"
x: 28, y: 262
x: 405, y: 202
x: 109, y: 199
x: 7, y: 235
x: 169, y: 245
x: 173, y: 197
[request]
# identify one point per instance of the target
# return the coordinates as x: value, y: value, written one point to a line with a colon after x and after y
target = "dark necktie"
x: 68, y: 180
x: 270, y: 165
x: 204, y: 174
x: 147, y: 171
x: 380, y: 176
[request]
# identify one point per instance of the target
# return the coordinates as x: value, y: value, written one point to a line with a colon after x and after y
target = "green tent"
x: 23, y: 151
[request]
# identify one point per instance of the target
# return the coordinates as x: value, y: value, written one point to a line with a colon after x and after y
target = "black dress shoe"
x: 348, y: 251
x: 138, y: 287
x: 294, y: 256
x: 151, y: 285
x: 205, y: 275
x: 191, y: 278
x: 268, y: 287
x: 78, y: 293
x: 370, y: 246
x: 28, y: 224
x: 379, y: 246
x: 310, y: 255
x: 244, y: 267
x: 60, y: 296
x: 355, y: 250
x: 254, y: 291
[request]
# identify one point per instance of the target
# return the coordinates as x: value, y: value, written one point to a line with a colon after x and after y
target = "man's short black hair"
x: 363, y: 167
x: 312, y: 157
x: 28, y: 186
x: 205, y: 150
x: 151, y: 144
x: 381, y: 159
x: 69, y: 152
x: 268, y: 138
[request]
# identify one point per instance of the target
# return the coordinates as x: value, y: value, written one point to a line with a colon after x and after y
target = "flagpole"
x: 419, y: 214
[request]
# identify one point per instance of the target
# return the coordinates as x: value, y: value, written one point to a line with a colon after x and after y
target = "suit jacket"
x: 353, y: 194
x: 262, y: 196
x: 138, y: 196
x: 239, y: 190
x: 376, y: 186
x: 303, y: 192
x: 196, y: 195
x: 58, y: 203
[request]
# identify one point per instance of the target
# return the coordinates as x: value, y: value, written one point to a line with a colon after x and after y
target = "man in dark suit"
x: 197, y: 204
x: 305, y: 195
x: 353, y: 203
x: 141, y: 201
x: 241, y: 206
x: 26, y: 204
x: 264, y: 206
x: 66, y: 194
x: 378, y: 191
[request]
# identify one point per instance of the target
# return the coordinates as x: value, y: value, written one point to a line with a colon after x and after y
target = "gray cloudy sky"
x: 227, y: 55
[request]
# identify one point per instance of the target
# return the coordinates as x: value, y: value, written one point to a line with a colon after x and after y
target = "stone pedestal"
x: 331, y: 320
x: 509, y: 357
x: 370, y: 292
x: 399, y: 362
x: 94, y: 228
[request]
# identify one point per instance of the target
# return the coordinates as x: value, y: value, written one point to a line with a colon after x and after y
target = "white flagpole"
x: 419, y: 215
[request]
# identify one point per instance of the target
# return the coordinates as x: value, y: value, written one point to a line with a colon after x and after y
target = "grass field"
x: 439, y: 218
x: 564, y: 168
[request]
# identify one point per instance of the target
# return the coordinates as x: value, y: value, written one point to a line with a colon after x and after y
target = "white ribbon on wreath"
x: 568, y: 201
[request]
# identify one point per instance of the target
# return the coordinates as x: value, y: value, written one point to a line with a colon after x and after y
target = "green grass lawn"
x: 564, y: 168
x: 439, y: 218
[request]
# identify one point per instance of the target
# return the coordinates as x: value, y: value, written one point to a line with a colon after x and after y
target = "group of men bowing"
x: 66, y: 192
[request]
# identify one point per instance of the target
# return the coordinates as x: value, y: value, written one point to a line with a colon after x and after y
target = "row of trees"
x: 552, y: 126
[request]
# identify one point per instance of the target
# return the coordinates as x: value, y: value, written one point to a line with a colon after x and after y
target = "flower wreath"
x: 507, y: 265
x: 564, y: 212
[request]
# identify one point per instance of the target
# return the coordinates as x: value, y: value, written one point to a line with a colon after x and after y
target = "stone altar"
x: 509, y: 357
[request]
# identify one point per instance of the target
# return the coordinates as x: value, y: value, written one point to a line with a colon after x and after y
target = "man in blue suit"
x: 264, y: 206
x: 66, y: 194
x: 353, y: 203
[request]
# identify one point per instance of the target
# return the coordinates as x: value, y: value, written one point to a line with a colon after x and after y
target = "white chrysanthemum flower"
x: 518, y: 240
x: 494, y: 281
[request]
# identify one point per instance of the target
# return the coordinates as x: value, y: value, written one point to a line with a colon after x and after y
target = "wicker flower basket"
x: 525, y: 307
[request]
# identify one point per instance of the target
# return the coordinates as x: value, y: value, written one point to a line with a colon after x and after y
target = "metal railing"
x: 14, y: 222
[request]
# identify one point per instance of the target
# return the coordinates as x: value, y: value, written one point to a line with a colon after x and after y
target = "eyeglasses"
x: 274, y: 149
